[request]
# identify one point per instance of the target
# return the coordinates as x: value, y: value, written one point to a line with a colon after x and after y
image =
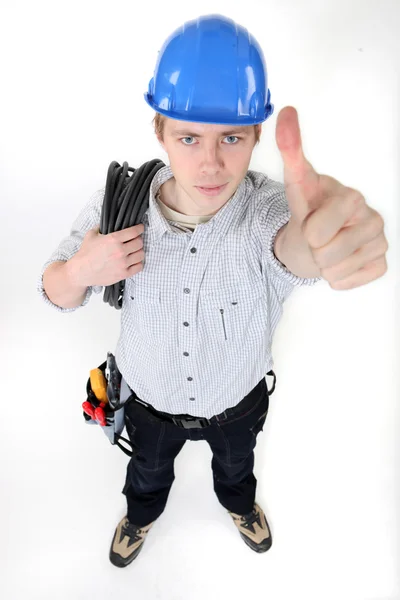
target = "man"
x: 206, y: 274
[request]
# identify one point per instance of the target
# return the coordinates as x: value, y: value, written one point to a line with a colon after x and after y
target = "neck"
x: 177, y: 199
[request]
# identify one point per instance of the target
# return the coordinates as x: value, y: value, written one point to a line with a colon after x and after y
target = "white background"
x: 327, y: 462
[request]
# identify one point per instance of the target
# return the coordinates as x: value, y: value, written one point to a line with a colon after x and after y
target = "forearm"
x: 60, y: 284
x: 291, y: 249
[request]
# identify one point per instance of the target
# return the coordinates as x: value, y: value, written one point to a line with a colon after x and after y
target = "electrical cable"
x: 126, y: 199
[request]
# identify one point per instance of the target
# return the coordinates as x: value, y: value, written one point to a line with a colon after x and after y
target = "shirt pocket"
x: 234, y: 315
x: 150, y: 313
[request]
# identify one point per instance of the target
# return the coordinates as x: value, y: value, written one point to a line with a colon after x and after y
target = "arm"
x: 60, y: 285
x: 336, y: 231
x: 58, y: 275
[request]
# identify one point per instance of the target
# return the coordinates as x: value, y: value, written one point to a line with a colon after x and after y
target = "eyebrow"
x: 191, y: 134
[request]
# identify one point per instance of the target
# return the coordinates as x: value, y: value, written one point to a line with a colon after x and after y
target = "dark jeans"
x: 150, y: 473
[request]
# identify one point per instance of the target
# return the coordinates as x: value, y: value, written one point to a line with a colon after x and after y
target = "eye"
x: 187, y: 138
x: 230, y: 137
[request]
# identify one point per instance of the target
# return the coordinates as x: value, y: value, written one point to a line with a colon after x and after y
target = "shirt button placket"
x: 186, y: 324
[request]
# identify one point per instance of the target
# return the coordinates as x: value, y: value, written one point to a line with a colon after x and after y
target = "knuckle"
x: 375, y: 224
x: 384, y: 266
x: 113, y: 241
x: 379, y: 222
x: 138, y: 229
x: 355, y: 197
x: 381, y: 245
x: 385, y: 245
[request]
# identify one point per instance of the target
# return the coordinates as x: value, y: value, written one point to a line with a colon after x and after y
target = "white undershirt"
x: 185, y: 221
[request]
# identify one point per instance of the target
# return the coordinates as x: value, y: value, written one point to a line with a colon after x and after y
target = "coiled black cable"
x: 126, y: 199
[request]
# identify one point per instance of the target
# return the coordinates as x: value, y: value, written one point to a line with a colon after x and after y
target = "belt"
x: 189, y: 421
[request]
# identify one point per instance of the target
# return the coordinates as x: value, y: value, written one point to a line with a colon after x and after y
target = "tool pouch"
x: 115, y: 419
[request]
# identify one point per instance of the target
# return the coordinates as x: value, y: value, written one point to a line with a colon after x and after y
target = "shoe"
x: 254, y: 529
x: 127, y: 542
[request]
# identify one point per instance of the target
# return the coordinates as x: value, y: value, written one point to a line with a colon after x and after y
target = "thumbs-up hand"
x: 344, y: 235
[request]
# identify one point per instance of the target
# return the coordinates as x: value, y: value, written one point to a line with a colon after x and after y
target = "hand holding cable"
x: 107, y: 259
x: 126, y: 200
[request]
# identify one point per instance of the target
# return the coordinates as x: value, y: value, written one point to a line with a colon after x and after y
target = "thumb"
x: 300, y: 178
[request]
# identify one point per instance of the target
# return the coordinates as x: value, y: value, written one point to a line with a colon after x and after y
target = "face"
x: 203, y: 156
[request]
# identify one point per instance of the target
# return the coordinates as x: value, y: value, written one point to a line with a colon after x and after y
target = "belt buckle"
x: 191, y: 423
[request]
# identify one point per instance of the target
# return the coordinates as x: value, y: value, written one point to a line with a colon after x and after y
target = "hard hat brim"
x: 209, y: 118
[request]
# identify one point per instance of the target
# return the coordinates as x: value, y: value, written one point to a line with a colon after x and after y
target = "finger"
x: 348, y: 240
x: 134, y: 258
x: 373, y: 270
x: 321, y: 226
x: 374, y: 250
x: 288, y: 139
x: 125, y: 235
x: 133, y: 245
x: 300, y: 179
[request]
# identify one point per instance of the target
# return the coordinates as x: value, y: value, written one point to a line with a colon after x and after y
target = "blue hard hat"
x: 211, y: 70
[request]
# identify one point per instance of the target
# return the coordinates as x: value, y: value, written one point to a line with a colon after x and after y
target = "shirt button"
x: 186, y: 354
x: 190, y: 378
x: 186, y: 324
x: 193, y: 250
x: 192, y: 398
x: 186, y: 290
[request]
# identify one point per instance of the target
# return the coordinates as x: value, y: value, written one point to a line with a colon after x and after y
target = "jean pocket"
x: 130, y: 428
x: 259, y: 424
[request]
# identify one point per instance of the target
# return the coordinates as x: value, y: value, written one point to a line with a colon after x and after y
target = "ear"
x: 160, y: 141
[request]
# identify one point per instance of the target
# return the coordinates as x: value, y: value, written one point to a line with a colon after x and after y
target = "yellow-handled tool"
x: 99, y: 385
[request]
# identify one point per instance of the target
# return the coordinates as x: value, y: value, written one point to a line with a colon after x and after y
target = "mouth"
x: 211, y: 190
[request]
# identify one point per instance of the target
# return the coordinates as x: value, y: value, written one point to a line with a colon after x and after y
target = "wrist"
x: 75, y: 273
x: 293, y: 251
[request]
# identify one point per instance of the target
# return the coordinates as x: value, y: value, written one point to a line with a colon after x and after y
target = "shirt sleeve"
x: 273, y: 214
x: 87, y: 219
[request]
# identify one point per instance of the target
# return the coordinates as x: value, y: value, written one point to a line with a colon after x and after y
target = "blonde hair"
x: 159, y: 120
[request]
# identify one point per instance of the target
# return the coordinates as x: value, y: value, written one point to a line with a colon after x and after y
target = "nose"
x: 211, y: 159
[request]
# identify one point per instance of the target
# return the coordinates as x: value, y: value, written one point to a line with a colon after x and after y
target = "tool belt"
x: 113, y: 411
x: 113, y: 422
x: 189, y: 421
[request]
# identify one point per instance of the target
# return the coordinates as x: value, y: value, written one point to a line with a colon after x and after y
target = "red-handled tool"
x: 98, y: 384
x: 89, y: 409
x: 97, y: 413
x: 100, y: 415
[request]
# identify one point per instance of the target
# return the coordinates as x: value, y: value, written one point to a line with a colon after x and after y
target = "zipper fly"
x: 221, y: 310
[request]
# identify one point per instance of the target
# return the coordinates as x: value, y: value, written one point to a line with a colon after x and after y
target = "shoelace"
x: 251, y: 517
x: 132, y: 531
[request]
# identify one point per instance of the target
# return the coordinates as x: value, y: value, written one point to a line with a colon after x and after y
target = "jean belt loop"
x: 272, y: 374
